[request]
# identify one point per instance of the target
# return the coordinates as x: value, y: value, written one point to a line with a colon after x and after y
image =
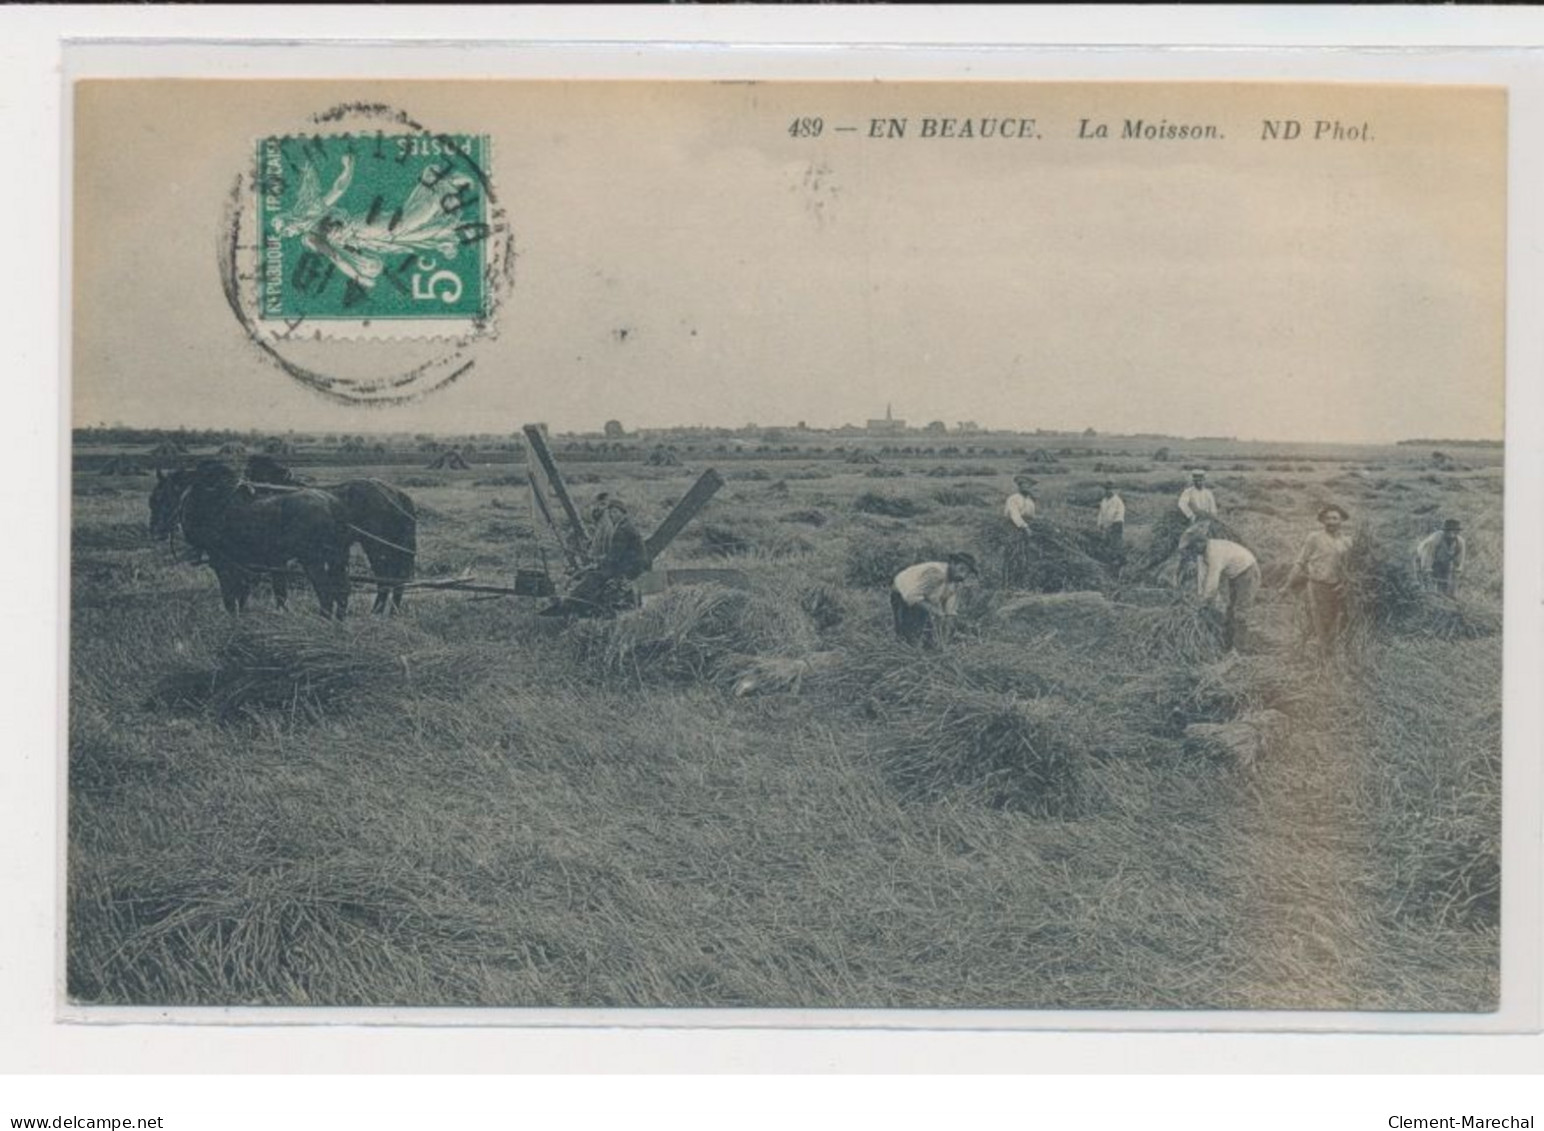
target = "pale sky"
x: 1305, y: 290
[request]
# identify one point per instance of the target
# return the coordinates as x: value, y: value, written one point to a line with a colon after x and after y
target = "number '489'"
x: 806, y: 127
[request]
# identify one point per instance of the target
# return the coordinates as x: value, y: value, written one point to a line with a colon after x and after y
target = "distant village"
x: 886, y: 428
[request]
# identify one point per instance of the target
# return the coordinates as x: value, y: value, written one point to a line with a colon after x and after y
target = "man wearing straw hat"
x: 1217, y: 561
x: 1112, y: 524
x: 1320, y: 569
x: 1197, y: 500
x: 924, y: 598
x: 1020, y: 507
x: 1439, y: 558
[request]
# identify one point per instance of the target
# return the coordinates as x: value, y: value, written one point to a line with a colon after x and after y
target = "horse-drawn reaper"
x: 255, y: 525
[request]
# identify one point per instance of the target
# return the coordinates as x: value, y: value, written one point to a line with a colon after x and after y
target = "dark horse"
x: 245, y: 535
x: 380, y: 518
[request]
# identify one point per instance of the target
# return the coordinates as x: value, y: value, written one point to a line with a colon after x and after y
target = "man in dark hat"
x: 1320, y: 571
x: 617, y: 558
x: 1439, y: 558
x: 925, y: 596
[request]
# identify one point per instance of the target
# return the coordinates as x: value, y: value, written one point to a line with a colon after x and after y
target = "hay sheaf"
x: 309, y: 666
x: 1164, y: 534
x: 1048, y: 558
x: 1237, y: 685
x: 977, y: 722
x: 1026, y: 754
x: 1180, y: 633
x: 891, y: 506
x: 1383, y: 594
x: 695, y: 633
x: 766, y: 675
x: 1242, y: 741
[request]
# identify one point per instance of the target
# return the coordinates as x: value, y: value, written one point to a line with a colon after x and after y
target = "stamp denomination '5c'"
x: 363, y: 227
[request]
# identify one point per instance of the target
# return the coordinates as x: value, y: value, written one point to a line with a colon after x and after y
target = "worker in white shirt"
x: 1020, y: 507
x: 1439, y: 558
x: 1219, y: 561
x: 1320, y: 571
x: 1197, y: 499
x: 925, y: 596
x: 1112, y: 524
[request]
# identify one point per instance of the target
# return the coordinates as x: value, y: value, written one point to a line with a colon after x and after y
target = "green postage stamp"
x: 366, y: 227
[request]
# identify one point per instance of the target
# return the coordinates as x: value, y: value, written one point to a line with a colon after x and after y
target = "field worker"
x: 1439, y: 558
x: 1020, y: 507
x: 600, y: 525
x: 622, y: 553
x: 1321, y: 570
x: 1220, y: 561
x: 1197, y: 499
x: 617, y: 557
x: 924, y: 597
x: 1112, y: 523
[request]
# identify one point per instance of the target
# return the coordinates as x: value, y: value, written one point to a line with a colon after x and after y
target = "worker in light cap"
x: 1112, y: 524
x: 1320, y: 573
x: 1197, y: 499
x: 1020, y: 507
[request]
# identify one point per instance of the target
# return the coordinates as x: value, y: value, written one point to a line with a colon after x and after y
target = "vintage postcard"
x: 771, y: 545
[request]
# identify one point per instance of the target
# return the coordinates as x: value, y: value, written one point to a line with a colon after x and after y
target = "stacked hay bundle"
x: 960, y: 496
x: 1383, y: 594
x: 974, y: 723
x: 1242, y: 741
x: 1048, y: 558
x: 1175, y: 697
x: 1237, y: 685
x: 1179, y: 633
x: 1164, y: 534
x: 691, y: 634
x: 765, y: 675
x: 1026, y: 754
x: 891, y: 506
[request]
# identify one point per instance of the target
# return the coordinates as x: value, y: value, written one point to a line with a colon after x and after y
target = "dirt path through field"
x: 1306, y: 920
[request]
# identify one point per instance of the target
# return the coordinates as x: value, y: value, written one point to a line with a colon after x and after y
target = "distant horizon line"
x: 754, y: 431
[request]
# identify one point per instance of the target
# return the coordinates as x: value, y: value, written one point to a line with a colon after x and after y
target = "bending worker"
x: 1020, y: 507
x: 1197, y: 500
x: 1223, y: 561
x: 924, y: 598
x: 1439, y: 558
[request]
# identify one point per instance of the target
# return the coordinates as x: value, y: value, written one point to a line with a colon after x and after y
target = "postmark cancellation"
x: 372, y: 234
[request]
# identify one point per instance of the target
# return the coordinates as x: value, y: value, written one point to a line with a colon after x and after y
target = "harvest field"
x: 470, y: 805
